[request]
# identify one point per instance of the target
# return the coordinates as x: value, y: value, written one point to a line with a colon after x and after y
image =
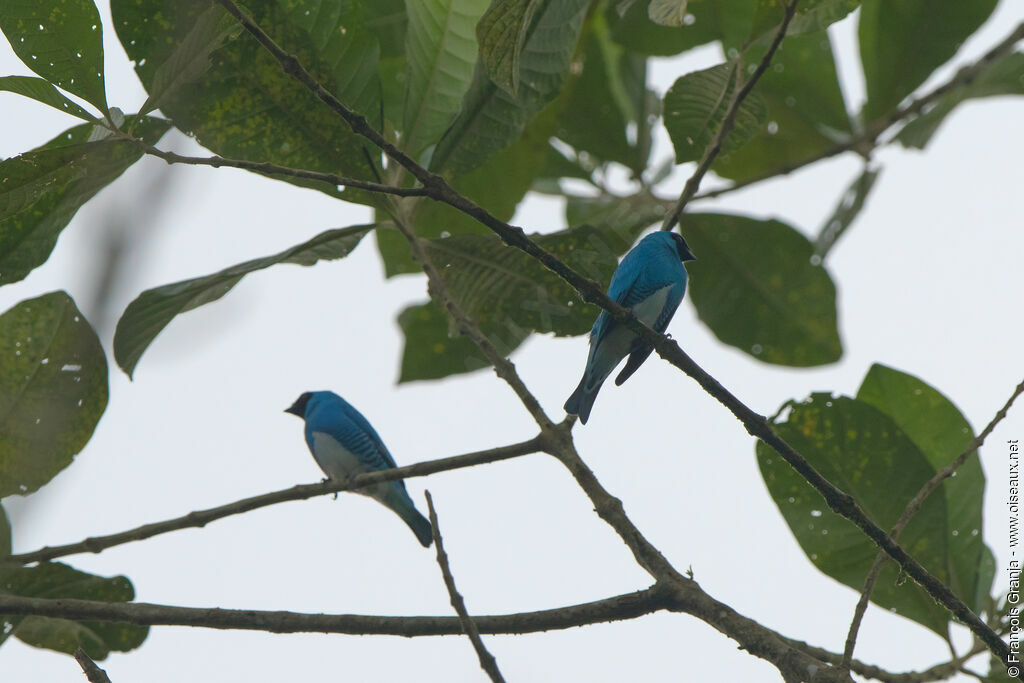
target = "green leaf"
x: 1005, y: 76
x: 53, y: 390
x: 604, y: 99
x: 893, y: 65
x: 491, y: 118
x: 154, y: 309
x: 498, y: 186
x: 44, y: 188
x: 942, y: 433
x: 191, y: 57
x: 635, y: 31
x: 863, y: 452
x: 56, y: 580
x: 846, y: 211
x: 696, y: 104
x: 502, y: 33
x: 62, y: 42
x: 434, y: 350
x: 441, y: 48
x: 755, y: 286
x: 245, y: 90
x: 804, y: 109
x: 42, y: 91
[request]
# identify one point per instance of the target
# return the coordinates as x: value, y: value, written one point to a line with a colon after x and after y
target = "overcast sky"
x: 928, y: 282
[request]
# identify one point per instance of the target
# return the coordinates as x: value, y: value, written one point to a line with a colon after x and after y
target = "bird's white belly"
x: 648, y: 310
x: 340, y: 464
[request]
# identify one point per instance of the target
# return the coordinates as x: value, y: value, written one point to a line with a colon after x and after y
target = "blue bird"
x: 650, y: 281
x: 344, y: 444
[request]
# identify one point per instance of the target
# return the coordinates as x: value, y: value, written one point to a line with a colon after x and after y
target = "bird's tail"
x: 582, y: 400
x: 402, y: 504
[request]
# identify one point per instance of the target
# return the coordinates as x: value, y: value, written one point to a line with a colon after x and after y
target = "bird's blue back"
x: 330, y: 414
x: 651, y: 265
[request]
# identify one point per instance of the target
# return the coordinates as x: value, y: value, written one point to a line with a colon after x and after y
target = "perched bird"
x: 344, y: 444
x: 650, y: 281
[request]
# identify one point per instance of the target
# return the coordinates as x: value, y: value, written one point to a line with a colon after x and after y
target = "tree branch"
x: 868, y: 139
x: 92, y: 672
x: 909, y: 511
x: 487, y: 661
x: 728, y: 122
x: 200, y: 518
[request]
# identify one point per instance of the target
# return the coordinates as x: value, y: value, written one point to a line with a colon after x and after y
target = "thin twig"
x: 936, y: 673
x: 268, y: 169
x: 92, y: 672
x: 487, y: 661
x: 908, y: 513
x: 728, y: 122
x: 200, y: 518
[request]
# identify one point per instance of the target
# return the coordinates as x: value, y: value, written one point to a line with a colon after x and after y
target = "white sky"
x: 928, y: 282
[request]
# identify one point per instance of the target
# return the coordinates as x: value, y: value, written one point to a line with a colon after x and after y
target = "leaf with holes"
x: 755, y: 286
x: 864, y: 452
x: 154, y: 309
x: 695, y: 107
x: 41, y: 90
x: 53, y: 390
x: 244, y: 88
x: 56, y: 580
x: 62, y: 42
x: 942, y: 433
x: 44, y: 188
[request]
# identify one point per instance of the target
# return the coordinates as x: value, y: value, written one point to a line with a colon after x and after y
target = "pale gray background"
x: 928, y: 282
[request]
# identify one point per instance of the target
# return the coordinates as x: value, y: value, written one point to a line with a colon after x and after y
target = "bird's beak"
x: 295, y: 409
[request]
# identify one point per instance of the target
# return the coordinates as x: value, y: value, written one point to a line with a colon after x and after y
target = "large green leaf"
x: 755, y: 285
x: 191, y: 57
x: 44, y: 188
x: 441, y: 52
x: 498, y: 186
x: 56, y: 580
x: 42, y: 91
x: 244, y: 105
x: 942, y: 433
x: 604, y: 99
x: 696, y: 104
x: 863, y: 452
x: 811, y: 16
x: 895, y: 65
x: 62, y: 42
x: 434, y: 350
x: 804, y: 109
x: 154, y: 309
x: 491, y: 117
x: 53, y: 390
x: 1005, y: 76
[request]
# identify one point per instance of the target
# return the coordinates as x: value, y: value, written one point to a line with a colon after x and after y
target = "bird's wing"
x: 355, y: 433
